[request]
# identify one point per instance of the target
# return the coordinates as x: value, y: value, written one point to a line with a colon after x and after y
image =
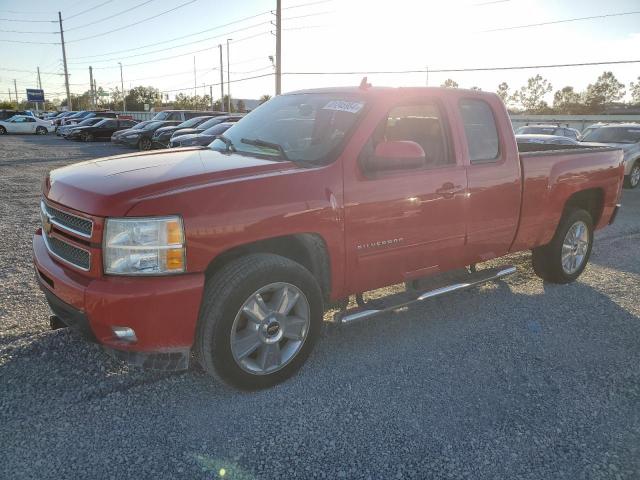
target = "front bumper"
x: 163, y: 311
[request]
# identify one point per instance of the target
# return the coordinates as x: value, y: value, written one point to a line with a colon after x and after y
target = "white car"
x: 25, y: 124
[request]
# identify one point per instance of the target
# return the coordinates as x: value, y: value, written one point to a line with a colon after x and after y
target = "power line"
x: 28, y: 31
x: 25, y: 21
x: 478, y: 69
x: 305, y: 4
x: 88, y: 10
x: 555, y: 22
x: 133, y: 24
x: 29, y: 42
x: 111, y: 16
x: 216, y: 84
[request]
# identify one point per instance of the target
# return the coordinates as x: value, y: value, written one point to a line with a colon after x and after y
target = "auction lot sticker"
x: 342, y: 106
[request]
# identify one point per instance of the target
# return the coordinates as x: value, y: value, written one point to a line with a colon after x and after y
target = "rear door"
x: 493, y: 172
x: 410, y: 222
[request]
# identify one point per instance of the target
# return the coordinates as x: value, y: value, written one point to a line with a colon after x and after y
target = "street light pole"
x: 124, y: 104
x: 221, y: 79
x: 228, y: 78
x: 278, y: 47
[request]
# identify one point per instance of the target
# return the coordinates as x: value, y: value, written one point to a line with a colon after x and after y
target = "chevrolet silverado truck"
x: 233, y: 253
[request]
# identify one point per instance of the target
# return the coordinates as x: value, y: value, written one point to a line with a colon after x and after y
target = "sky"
x: 318, y: 36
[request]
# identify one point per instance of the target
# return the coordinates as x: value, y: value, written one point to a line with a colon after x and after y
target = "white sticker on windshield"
x: 342, y: 106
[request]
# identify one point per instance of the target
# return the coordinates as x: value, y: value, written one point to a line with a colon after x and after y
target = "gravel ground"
x: 516, y: 379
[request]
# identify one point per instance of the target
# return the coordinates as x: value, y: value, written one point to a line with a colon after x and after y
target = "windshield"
x: 213, y: 121
x: 303, y: 127
x: 536, y: 130
x: 153, y: 125
x: 217, y: 129
x: 140, y: 125
x: 89, y: 121
x: 193, y: 122
x: 613, y: 135
x: 161, y: 115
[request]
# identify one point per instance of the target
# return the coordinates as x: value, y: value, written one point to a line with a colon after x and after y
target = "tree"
x: 449, y: 83
x: 503, y: 92
x: 7, y: 105
x: 569, y: 102
x: 266, y: 98
x: 139, y: 96
x: 607, y: 89
x: 635, y: 91
x: 531, y: 96
x: 240, y: 106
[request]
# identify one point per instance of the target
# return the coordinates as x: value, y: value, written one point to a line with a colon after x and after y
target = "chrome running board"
x: 470, y: 280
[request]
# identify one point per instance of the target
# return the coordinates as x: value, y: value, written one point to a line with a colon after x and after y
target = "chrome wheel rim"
x: 270, y: 328
x: 635, y: 176
x: 574, y: 247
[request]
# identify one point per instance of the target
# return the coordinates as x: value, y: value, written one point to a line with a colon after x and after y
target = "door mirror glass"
x: 395, y: 155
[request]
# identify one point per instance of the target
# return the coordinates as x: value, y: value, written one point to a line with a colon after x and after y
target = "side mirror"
x: 395, y: 155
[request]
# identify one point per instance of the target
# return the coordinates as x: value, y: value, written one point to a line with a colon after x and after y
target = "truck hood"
x: 111, y: 186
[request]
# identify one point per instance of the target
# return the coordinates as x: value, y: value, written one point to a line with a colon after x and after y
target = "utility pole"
x: 15, y: 89
x: 195, y: 84
x: 40, y: 87
x: 221, y: 79
x: 95, y: 92
x: 124, y: 102
x: 93, y: 95
x: 278, y: 47
x: 64, y: 61
x: 228, y: 78
x: 211, y: 95
x: 9, y: 94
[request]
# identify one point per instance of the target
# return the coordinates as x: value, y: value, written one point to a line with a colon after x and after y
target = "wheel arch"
x: 308, y: 249
x: 591, y: 200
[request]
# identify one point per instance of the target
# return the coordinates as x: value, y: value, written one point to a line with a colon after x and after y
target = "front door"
x: 407, y: 222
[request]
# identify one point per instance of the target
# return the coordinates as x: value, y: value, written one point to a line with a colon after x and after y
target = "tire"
x: 633, y: 179
x: 87, y: 137
x: 3, y: 131
x: 223, y: 321
x: 548, y: 259
x: 41, y: 131
x: 144, y: 144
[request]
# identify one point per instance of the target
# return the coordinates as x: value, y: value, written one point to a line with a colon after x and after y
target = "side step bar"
x: 471, y: 280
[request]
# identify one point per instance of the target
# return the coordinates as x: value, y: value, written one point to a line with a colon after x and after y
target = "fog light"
x: 125, y: 334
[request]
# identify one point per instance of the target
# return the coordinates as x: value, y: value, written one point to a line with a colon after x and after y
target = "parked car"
x: 115, y: 136
x: 544, y: 129
x: 183, y: 115
x: 25, y: 124
x: 202, y: 139
x: 625, y: 136
x: 101, y: 130
x: 57, y: 121
x: 78, y: 117
x: 7, y: 114
x: 162, y: 135
x: 141, y: 138
x: 208, y: 124
x: 234, y: 251
x: 546, y: 139
x: 63, y: 131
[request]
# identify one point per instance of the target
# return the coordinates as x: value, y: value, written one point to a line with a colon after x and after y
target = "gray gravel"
x: 516, y: 379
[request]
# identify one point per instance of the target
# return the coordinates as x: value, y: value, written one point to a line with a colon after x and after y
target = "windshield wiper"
x: 227, y: 142
x: 263, y: 143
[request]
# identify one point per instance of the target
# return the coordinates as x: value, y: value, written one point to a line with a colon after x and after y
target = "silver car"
x: 544, y: 129
x: 625, y: 136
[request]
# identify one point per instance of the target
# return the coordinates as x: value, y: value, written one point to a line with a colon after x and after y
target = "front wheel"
x: 567, y: 255
x: 633, y: 179
x: 144, y: 144
x: 3, y: 131
x: 41, y: 131
x: 260, y: 318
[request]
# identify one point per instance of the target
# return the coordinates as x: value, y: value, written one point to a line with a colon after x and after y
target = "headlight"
x: 144, y: 246
x: 132, y: 135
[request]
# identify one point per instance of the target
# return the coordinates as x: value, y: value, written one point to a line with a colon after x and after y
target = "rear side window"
x: 480, y: 130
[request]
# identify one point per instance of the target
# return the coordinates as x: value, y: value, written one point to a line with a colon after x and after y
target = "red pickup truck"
x: 235, y: 251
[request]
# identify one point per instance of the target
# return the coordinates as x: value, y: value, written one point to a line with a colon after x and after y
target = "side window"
x: 30, y: 119
x: 109, y: 124
x: 421, y: 124
x: 480, y: 130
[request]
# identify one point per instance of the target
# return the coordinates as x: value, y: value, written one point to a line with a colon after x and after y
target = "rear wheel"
x: 144, y: 144
x: 87, y: 137
x: 566, y: 256
x: 260, y: 318
x: 41, y: 131
x: 633, y: 179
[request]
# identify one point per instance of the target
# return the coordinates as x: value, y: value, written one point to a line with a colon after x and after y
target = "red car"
x: 234, y: 251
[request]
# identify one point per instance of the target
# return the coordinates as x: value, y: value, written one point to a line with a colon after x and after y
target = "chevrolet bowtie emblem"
x: 47, y: 226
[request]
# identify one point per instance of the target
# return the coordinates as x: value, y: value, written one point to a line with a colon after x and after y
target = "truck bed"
x: 551, y: 174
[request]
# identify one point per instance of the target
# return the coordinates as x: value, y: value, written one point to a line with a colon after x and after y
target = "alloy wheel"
x: 575, y: 247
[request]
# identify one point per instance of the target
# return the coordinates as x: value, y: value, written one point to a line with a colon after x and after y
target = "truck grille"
x: 78, y: 225
x: 77, y: 257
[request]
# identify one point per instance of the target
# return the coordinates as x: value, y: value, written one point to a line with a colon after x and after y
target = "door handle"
x: 448, y: 190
